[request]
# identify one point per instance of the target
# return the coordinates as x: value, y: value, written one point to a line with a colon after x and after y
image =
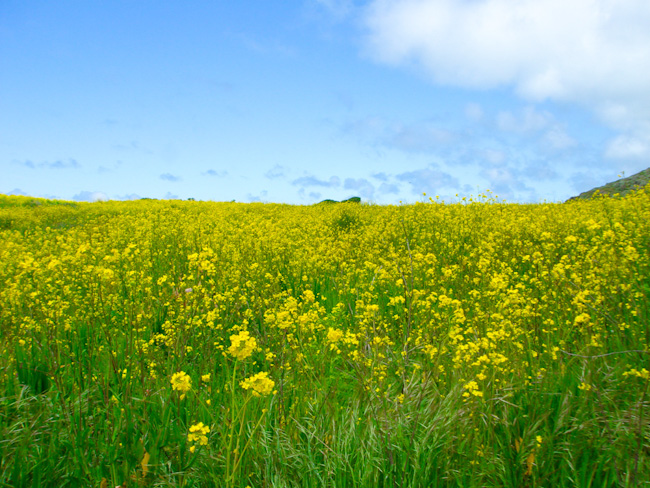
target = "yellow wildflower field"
x: 172, y: 343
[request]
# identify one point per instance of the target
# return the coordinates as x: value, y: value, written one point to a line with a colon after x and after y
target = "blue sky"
x: 301, y: 100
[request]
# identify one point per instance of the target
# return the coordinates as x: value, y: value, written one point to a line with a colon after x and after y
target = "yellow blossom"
x: 198, y: 433
x: 242, y: 345
x: 260, y: 383
x: 334, y: 335
x: 182, y: 382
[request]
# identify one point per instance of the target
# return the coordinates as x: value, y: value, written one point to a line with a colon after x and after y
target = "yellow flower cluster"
x: 260, y: 383
x: 643, y: 373
x: 198, y: 434
x: 242, y: 345
x: 182, y: 382
x: 334, y: 335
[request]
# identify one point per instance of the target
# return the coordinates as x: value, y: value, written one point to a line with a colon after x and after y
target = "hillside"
x: 622, y: 186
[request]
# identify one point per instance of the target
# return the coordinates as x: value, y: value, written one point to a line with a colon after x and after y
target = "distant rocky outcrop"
x: 622, y: 186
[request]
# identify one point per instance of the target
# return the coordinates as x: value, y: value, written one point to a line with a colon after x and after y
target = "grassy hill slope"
x: 622, y: 186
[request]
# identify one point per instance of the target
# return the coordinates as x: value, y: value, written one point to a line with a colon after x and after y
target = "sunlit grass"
x: 169, y: 343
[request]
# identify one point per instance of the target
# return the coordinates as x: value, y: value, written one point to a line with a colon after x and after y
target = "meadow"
x: 193, y: 344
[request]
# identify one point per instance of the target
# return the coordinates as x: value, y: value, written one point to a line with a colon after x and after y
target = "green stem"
x: 248, y: 441
x: 229, y: 474
x: 239, y: 455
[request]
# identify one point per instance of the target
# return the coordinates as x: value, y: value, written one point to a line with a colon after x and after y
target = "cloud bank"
x: 592, y: 52
x: 545, y: 48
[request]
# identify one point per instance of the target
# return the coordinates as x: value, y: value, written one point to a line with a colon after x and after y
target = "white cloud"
x: 628, y: 147
x: 545, y: 48
x: 592, y: 52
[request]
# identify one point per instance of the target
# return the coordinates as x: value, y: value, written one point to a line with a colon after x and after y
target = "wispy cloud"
x: 529, y: 120
x: 127, y: 146
x: 106, y: 169
x: 58, y: 164
x: 170, y: 177
x: 257, y: 198
x: 417, y: 137
x: 305, y: 181
x: 338, y: 8
x: 267, y: 46
x: 428, y: 180
x: 276, y: 171
x: 215, y: 173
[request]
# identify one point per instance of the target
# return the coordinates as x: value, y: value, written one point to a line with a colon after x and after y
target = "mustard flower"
x: 182, y: 382
x: 260, y: 383
x: 242, y: 345
x: 334, y: 335
x: 198, y: 433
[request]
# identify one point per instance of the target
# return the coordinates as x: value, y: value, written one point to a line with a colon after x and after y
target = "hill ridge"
x: 622, y: 186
